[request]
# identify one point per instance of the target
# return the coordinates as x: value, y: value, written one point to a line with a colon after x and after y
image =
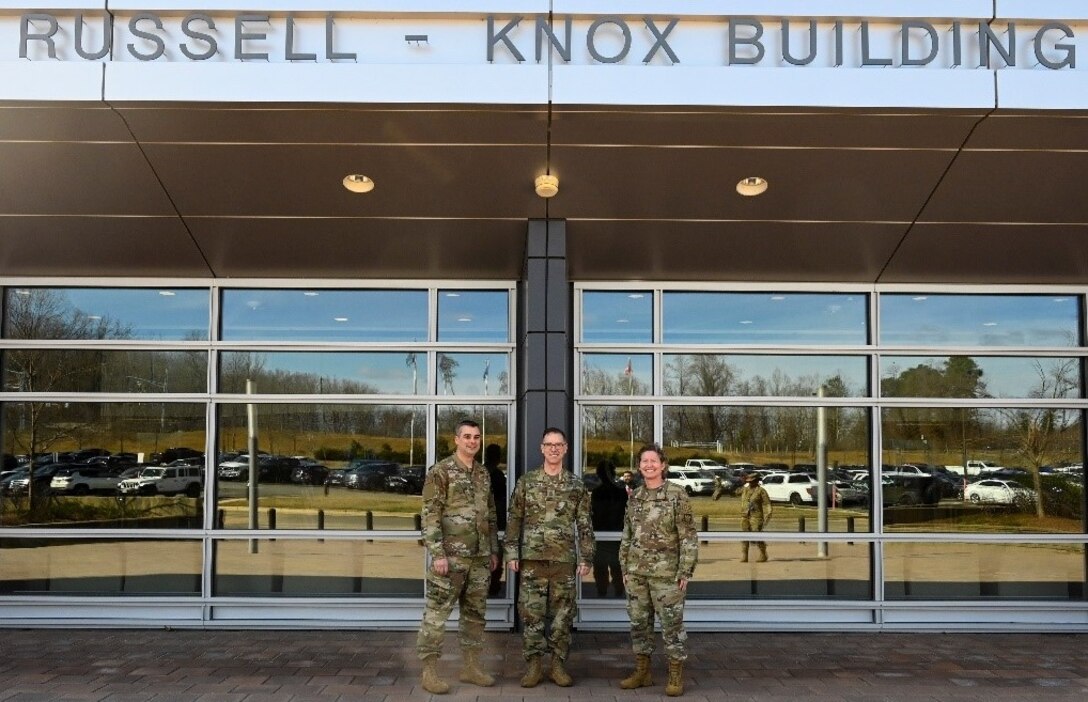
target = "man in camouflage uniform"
x: 755, y: 512
x: 549, y: 533
x: 658, y: 553
x: 459, y: 532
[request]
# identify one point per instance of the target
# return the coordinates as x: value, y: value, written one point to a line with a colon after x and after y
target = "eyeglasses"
x: 554, y: 446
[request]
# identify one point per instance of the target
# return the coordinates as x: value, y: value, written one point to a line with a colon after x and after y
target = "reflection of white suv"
x: 795, y: 488
x: 694, y: 482
x: 165, y: 480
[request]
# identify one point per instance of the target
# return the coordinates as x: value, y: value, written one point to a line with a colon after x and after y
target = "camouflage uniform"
x: 755, y: 512
x: 660, y: 546
x: 549, y: 531
x: 458, y: 525
x: 719, y: 487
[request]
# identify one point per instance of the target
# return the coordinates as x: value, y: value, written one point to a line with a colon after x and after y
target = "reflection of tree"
x: 447, y: 368
x: 957, y: 377
x: 1046, y: 435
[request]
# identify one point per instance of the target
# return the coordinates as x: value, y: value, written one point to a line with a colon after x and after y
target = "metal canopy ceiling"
x: 188, y: 190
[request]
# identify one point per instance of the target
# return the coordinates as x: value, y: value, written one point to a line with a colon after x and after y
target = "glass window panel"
x: 322, y: 466
x: 1010, y: 455
x: 617, y: 374
x: 102, y: 566
x: 795, y: 571
x: 318, y: 568
x: 706, y: 375
x: 615, y: 433
x: 52, y: 370
x: 764, y: 318
x: 174, y: 314
x: 325, y: 315
x: 473, y: 374
x: 981, y: 376
x: 973, y: 571
x: 479, y: 316
x: 493, y: 421
x: 980, y: 320
x: 106, y: 451
x: 324, y: 373
x: 617, y: 317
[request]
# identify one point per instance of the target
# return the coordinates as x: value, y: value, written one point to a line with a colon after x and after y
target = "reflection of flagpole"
x: 483, y: 418
x: 411, y: 361
x: 630, y: 412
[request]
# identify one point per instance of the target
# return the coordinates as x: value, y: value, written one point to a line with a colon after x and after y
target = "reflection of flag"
x: 487, y: 371
x: 627, y: 370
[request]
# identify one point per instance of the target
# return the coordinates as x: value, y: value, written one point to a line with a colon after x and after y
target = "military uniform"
x: 755, y: 512
x: 660, y: 547
x: 459, y: 524
x: 549, y: 532
x: 719, y: 487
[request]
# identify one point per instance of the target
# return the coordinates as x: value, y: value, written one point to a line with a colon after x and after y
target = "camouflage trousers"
x: 645, y: 596
x: 546, y: 585
x: 466, y: 586
x: 753, y: 523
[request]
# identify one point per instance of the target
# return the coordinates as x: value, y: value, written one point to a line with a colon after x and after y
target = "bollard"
x: 221, y: 518
x: 850, y: 529
x: 320, y: 519
x: 705, y: 526
x: 369, y: 520
x: 801, y: 524
x: 271, y: 517
x: 417, y: 522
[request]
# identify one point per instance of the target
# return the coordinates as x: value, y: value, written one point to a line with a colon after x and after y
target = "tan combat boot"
x: 641, y: 676
x: 534, y: 673
x: 431, y: 682
x: 675, y: 686
x: 472, y: 673
x: 762, y: 558
x: 744, y: 552
x: 558, y: 674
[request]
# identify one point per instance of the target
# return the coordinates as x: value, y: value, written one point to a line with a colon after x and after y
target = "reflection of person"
x: 628, y: 482
x: 719, y: 486
x: 492, y: 458
x: 609, y: 502
x: 459, y: 533
x: 755, y: 512
x: 658, y: 553
x: 549, y: 532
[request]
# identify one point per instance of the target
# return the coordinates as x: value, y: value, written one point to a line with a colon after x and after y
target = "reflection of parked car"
x: 164, y: 480
x: 907, y: 490
x: 18, y: 483
x: 370, y: 475
x: 174, y: 453
x: 335, y: 477
x: 310, y: 474
x: 694, y: 482
x: 1001, y: 492
x: 84, y: 480
x: 407, y: 481
x: 795, y: 488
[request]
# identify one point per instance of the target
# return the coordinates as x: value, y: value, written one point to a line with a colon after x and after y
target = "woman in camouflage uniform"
x: 658, y: 552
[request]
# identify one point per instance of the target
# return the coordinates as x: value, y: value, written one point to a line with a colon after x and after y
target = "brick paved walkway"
x: 255, y: 666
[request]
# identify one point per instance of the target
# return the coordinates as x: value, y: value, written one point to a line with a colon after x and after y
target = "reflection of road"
x: 237, y: 517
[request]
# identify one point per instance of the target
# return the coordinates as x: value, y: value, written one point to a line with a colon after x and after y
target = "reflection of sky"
x: 979, y: 320
x: 1004, y: 377
x: 764, y: 318
x: 325, y: 315
x: 617, y: 317
x: 474, y: 316
x: 160, y: 313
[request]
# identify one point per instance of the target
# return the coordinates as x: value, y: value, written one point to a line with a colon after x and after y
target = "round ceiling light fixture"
x: 358, y: 183
x: 547, y: 185
x: 752, y: 186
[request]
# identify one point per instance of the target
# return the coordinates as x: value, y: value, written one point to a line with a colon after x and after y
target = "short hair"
x: 465, y: 423
x: 656, y: 449
x: 554, y: 430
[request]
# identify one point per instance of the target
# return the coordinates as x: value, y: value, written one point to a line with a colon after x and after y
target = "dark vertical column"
x: 545, y: 347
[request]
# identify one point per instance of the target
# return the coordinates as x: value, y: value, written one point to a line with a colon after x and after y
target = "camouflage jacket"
x: 459, y: 511
x: 659, y: 536
x: 550, y: 519
x: 755, y: 503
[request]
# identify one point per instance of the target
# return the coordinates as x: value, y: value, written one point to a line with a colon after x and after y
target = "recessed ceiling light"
x: 464, y: 319
x: 340, y: 319
x: 752, y: 186
x: 920, y: 298
x: 622, y: 321
x: 989, y: 324
x: 22, y: 292
x: 310, y: 293
x: 453, y: 294
x: 167, y: 293
x: 95, y: 317
x: 358, y: 183
x: 778, y: 298
x: 636, y: 296
x: 1061, y: 299
x: 745, y: 321
x: 546, y: 185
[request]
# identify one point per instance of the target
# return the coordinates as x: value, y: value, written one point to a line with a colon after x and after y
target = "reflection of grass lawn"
x: 338, y: 500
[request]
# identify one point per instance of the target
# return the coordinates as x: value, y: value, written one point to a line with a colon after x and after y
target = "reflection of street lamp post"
x: 411, y: 362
